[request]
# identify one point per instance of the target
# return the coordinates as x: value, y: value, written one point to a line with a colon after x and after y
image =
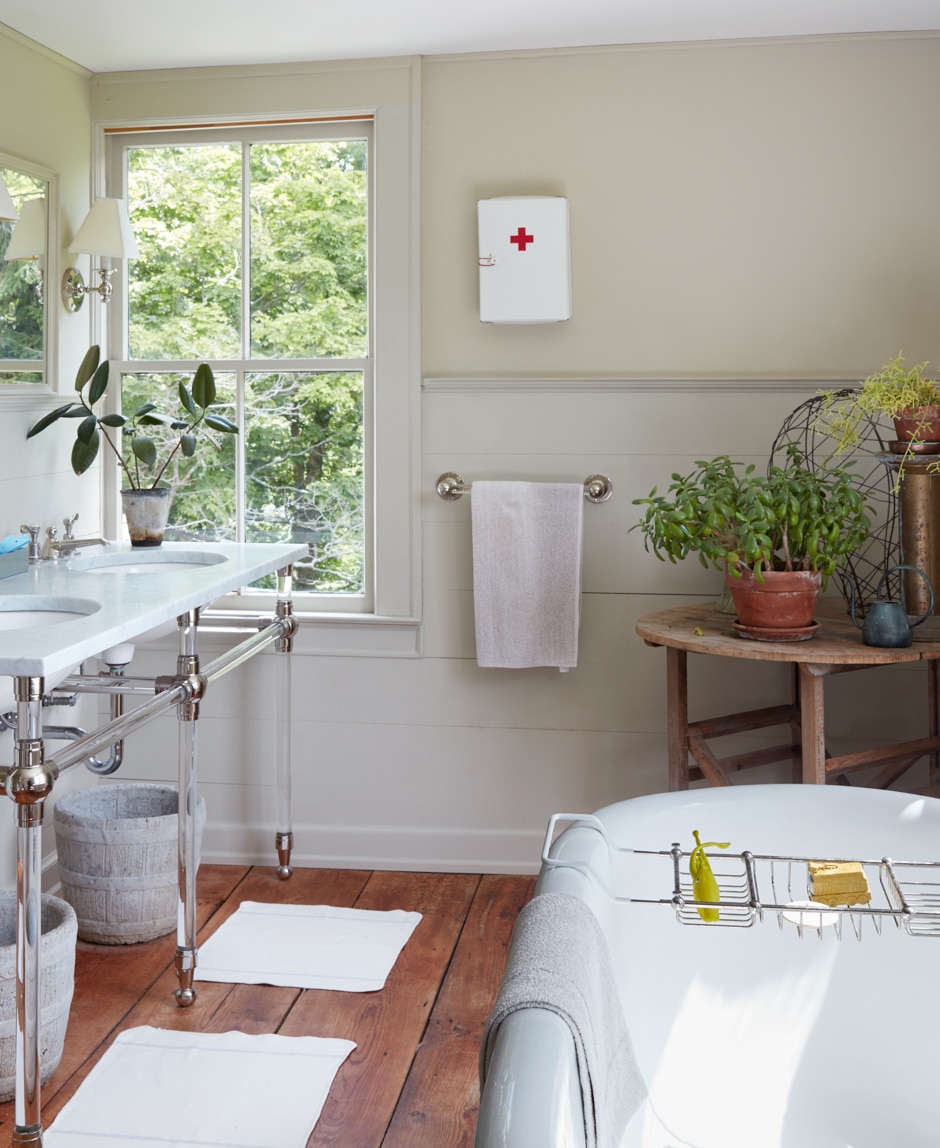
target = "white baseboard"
x: 377, y: 847
x: 365, y: 847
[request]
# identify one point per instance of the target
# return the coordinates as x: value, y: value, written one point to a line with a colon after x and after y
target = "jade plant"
x: 140, y: 460
x: 791, y: 518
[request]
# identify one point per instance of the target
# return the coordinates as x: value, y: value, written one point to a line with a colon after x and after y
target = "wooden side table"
x: 835, y: 649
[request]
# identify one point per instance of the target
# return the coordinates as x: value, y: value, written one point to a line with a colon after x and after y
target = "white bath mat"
x: 196, y: 1090
x: 306, y: 946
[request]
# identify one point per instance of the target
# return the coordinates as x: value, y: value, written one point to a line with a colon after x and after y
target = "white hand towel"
x: 527, y: 573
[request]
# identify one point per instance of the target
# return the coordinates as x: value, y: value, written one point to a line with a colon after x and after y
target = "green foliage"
x: 792, y: 518
x: 183, y: 427
x: 305, y: 480
x: 185, y: 289
x: 21, y: 312
x: 307, y: 267
x: 304, y: 473
x: 894, y: 390
x: 307, y: 217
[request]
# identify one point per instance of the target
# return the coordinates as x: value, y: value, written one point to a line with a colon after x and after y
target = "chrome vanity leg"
x: 284, y: 838
x: 28, y: 784
x: 188, y: 712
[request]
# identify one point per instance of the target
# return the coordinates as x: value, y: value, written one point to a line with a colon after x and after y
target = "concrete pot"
x: 146, y: 512
x: 118, y: 854
x: 57, y: 980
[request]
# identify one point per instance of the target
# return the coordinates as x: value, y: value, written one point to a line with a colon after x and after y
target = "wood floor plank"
x: 219, y: 1007
x: 441, y: 1097
x: 410, y: 1083
x: 385, y: 1025
x: 109, y: 981
x: 304, y: 887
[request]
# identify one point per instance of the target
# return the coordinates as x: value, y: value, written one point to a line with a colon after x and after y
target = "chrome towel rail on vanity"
x: 597, y: 487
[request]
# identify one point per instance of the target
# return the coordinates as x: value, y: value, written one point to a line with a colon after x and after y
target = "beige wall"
x: 47, y: 122
x: 755, y: 209
x: 740, y: 214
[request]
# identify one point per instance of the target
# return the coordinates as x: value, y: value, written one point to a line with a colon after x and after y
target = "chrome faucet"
x: 34, y: 554
x: 53, y: 548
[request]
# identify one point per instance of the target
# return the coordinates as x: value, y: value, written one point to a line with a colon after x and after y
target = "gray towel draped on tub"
x: 560, y: 960
x: 527, y: 573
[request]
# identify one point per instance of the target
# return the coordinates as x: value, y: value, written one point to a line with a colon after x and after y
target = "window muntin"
x: 273, y: 292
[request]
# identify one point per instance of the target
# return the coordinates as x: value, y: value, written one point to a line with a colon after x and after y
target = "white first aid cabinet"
x: 524, y: 261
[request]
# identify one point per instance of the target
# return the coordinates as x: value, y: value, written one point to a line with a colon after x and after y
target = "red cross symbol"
x: 522, y: 238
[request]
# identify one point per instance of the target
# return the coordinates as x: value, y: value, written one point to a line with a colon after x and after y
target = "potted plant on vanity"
x: 146, y: 503
x: 777, y: 536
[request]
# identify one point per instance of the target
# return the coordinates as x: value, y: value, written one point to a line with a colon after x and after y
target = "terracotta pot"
x: 921, y: 424
x: 146, y: 512
x: 785, y: 600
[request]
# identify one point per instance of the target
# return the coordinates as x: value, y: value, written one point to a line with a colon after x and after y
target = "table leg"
x: 188, y: 712
x: 28, y: 784
x: 677, y: 718
x: 796, y: 725
x: 812, y: 715
x: 933, y: 717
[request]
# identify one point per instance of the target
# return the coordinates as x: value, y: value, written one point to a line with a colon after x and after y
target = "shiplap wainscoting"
x: 416, y: 758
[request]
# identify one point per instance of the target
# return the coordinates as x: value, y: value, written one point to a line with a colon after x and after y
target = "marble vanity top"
x: 117, y: 593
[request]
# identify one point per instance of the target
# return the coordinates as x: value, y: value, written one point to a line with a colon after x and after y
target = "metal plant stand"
x: 32, y: 778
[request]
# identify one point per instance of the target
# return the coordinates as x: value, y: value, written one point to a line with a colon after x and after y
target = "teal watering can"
x: 886, y: 623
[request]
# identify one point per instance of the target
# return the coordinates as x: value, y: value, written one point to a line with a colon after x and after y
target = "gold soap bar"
x: 839, y: 883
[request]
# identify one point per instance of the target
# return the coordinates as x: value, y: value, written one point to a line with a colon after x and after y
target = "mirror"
x: 24, y: 247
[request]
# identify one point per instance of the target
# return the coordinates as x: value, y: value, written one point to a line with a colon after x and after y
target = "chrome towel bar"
x: 597, y: 487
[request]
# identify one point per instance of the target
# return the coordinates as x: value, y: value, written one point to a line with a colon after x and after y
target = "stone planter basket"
x: 57, y: 960
x: 118, y: 853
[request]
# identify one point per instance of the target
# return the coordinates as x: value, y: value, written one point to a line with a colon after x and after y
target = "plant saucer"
x: 914, y: 447
x: 769, y: 634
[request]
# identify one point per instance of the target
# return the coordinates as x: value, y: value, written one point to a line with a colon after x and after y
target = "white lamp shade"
x: 29, y: 235
x: 7, y: 209
x: 106, y: 231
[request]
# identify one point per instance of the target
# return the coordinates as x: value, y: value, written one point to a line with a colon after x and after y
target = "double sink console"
x: 57, y: 614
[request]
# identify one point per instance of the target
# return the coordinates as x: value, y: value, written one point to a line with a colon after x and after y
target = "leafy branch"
x: 143, y: 452
x: 792, y: 518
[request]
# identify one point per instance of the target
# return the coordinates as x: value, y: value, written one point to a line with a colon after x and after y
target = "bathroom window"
x: 256, y: 256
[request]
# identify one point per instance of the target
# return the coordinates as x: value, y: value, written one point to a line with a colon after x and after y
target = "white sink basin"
x: 29, y: 611
x: 146, y: 561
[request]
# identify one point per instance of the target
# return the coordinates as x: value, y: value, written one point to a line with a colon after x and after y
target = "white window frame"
x: 392, y: 422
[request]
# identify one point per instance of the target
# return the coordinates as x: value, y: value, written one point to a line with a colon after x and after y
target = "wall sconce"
x: 7, y: 208
x: 28, y: 240
x: 106, y: 232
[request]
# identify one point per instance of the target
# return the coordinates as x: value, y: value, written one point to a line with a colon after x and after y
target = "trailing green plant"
x: 791, y: 518
x: 142, y: 451
x: 894, y: 390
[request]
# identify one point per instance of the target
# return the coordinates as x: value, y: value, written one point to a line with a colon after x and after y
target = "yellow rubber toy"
x: 704, y: 885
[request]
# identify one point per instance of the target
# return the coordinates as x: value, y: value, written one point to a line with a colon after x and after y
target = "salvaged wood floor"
x: 411, y: 1081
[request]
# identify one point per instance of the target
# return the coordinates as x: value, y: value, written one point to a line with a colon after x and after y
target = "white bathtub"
x: 750, y: 1037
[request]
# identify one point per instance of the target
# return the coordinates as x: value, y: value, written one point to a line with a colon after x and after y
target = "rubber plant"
x: 141, y: 464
